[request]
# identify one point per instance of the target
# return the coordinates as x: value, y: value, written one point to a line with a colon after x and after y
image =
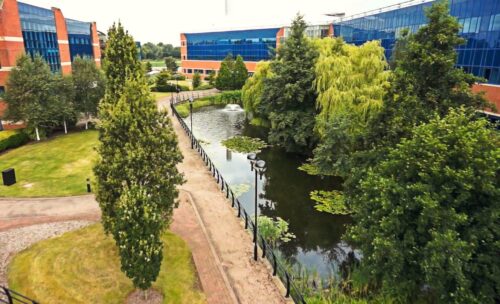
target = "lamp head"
x: 252, y: 157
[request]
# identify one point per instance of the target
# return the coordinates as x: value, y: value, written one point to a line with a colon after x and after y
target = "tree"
x: 30, y: 92
x: 240, y: 73
x: 427, y: 217
x: 63, y: 105
x: 121, y: 65
x: 252, y: 90
x: 89, y: 83
x: 137, y: 178
x: 139, y: 233
x: 211, y: 78
x: 224, y: 80
x: 148, y: 67
x: 289, y: 96
x: 196, y: 80
x: 121, y: 61
x: 171, y: 64
x: 351, y: 82
x: 425, y: 80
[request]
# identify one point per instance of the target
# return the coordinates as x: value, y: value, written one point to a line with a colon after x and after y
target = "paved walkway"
x: 20, y: 212
x: 251, y: 281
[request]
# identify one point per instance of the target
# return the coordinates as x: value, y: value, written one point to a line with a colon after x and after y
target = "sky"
x: 163, y: 21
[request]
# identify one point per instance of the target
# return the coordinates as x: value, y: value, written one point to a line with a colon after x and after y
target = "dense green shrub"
x: 205, y: 86
x: 12, y: 139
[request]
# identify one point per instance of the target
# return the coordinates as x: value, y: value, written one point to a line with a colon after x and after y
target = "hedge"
x: 12, y: 139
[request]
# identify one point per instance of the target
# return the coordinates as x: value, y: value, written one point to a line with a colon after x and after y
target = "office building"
x: 29, y: 29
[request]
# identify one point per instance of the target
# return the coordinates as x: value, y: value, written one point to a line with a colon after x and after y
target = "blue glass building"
x: 481, y: 28
x: 80, y: 38
x: 39, y: 33
x: 252, y: 45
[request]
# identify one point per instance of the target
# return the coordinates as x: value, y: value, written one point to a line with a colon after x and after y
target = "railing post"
x: 287, y: 285
x: 246, y: 220
x: 7, y: 293
x: 263, y: 247
x: 227, y: 190
x: 239, y: 208
x: 275, y: 264
x: 232, y: 195
x: 222, y: 186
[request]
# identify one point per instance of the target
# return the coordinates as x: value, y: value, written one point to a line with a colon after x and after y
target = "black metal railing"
x: 267, y: 249
x: 11, y: 297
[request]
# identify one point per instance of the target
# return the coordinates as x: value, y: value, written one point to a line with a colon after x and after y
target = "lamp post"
x: 260, y: 168
x: 191, y: 115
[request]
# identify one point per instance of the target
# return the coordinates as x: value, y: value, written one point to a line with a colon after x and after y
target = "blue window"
x: 80, y: 39
x: 480, y: 20
x: 39, y: 33
x: 252, y: 45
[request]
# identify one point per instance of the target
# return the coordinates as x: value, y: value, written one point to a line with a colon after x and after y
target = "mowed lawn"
x: 83, y: 266
x: 58, y: 166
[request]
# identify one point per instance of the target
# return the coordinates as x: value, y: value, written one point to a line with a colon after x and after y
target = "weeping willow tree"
x: 349, y: 78
x: 252, y: 90
x: 351, y: 82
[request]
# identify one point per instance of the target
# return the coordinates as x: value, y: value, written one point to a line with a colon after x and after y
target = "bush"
x: 12, y: 139
x: 178, y: 77
x: 169, y: 87
x: 205, y: 86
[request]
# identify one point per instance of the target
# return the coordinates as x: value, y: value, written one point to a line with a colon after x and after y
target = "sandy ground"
x: 251, y: 281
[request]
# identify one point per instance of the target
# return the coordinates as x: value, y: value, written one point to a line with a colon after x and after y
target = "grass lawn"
x: 83, y: 266
x: 188, y: 83
x: 56, y: 167
x: 160, y: 95
x: 157, y: 63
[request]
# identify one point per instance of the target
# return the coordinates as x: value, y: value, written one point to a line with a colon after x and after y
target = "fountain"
x: 233, y: 108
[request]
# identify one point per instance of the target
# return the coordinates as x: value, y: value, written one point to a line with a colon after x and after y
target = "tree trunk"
x: 37, y: 134
x: 146, y: 294
x: 87, y: 124
x: 65, y: 127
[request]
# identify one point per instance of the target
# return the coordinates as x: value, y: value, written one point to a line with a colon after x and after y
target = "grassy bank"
x: 83, y: 266
x: 56, y: 167
x: 224, y: 98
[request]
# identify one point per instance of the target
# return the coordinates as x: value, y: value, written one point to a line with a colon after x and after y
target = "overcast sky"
x: 157, y: 20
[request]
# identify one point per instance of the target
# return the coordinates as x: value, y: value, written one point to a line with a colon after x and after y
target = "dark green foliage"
x: 196, y: 80
x: 425, y: 80
x: 64, y: 101
x: 138, y: 153
x: 232, y: 74
x: 288, y: 97
x: 148, y: 67
x: 240, y: 73
x: 89, y: 83
x: 137, y: 223
x: 121, y: 61
x: 171, y: 64
x: 32, y: 96
x: 211, y: 78
x: 224, y: 80
x: 12, y: 139
x: 159, y: 51
x: 428, y: 215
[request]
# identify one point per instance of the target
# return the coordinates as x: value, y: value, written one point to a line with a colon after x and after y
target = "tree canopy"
x: 232, y: 73
x: 289, y: 98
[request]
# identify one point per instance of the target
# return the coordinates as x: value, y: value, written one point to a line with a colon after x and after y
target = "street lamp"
x: 191, y: 115
x: 260, y: 168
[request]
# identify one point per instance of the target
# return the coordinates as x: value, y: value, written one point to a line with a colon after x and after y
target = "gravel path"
x: 14, y: 240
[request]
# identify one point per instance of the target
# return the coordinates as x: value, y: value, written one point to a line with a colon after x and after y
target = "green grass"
x: 160, y: 95
x: 187, y: 83
x: 83, y: 266
x: 157, y: 63
x: 183, y: 108
x: 56, y: 167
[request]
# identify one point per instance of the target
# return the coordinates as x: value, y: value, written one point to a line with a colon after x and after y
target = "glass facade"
x: 80, y: 39
x: 39, y: 33
x: 480, y: 19
x: 252, y: 45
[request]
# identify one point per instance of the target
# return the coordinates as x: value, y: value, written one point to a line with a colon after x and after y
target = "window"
x: 190, y: 71
x: 495, y: 23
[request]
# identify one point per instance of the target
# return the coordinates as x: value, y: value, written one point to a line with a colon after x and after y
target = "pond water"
x: 284, y: 190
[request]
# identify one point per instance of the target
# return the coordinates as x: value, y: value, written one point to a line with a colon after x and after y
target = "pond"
x: 284, y: 190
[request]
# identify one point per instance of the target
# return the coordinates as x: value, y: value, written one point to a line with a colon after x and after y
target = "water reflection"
x: 285, y: 190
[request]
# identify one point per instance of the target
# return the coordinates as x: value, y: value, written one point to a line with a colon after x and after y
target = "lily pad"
x: 244, y: 144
